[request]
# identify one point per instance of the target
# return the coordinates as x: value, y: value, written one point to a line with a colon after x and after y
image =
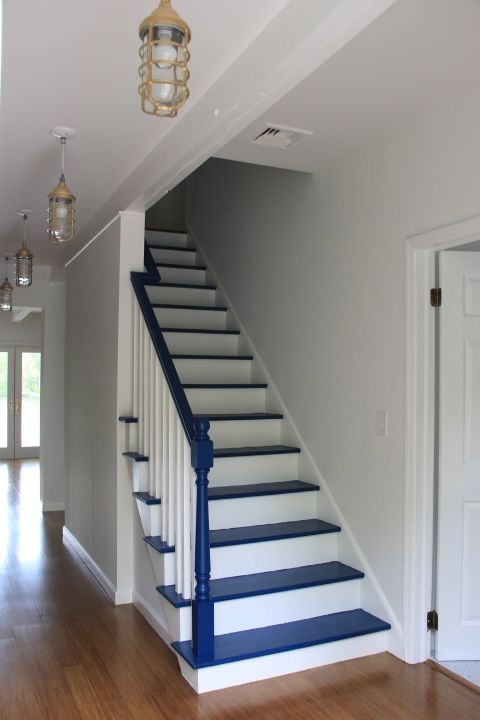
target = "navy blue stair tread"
x: 169, y: 592
x: 255, y: 450
x: 200, y: 331
x: 243, y: 586
x: 216, y: 417
x: 182, y: 285
x: 288, y: 636
x: 231, y: 492
x: 156, y: 542
x: 136, y: 457
x: 273, y: 531
x: 181, y: 267
x: 212, y: 357
x: 170, y: 306
x: 155, y: 246
x: 225, y: 386
x: 282, y: 580
x: 128, y: 419
x: 146, y: 498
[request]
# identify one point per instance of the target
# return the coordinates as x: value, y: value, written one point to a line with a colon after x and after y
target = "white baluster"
x: 140, y: 385
x: 172, y: 467
x: 153, y: 467
x: 136, y: 330
x: 179, y: 549
x: 165, y: 461
x: 187, y: 549
x: 158, y: 429
x: 146, y: 392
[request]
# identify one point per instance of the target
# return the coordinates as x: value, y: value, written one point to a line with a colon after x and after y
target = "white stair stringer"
x: 269, y: 666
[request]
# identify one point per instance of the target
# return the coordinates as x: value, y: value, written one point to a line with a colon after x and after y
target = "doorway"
x: 420, y: 452
x: 20, y: 400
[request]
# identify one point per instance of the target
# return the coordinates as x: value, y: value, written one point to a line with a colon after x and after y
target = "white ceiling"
x: 75, y: 63
x: 413, y: 58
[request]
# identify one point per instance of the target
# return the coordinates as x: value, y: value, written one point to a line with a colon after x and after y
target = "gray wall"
x: 315, y: 267
x: 27, y: 331
x: 91, y: 398
x: 169, y: 212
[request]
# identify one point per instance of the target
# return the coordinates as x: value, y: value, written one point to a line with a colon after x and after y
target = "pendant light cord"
x: 25, y: 218
x: 6, y: 267
x: 63, y: 140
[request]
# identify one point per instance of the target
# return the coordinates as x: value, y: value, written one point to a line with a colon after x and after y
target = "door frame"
x: 10, y: 349
x: 27, y: 347
x: 420, y: 428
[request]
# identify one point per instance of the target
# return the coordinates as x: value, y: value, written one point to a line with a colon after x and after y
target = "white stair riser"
x: 180, y: 295
x: 177, y: 257
x: 204, y: 400
x: 262, y: 510
x: 214, y: 370
x: 276, y: 608
x: 268, y: 666
x: 182, y: 275
x: 151, y: 518
x: 254, y: 469
x: 201, y: 344
x: 242, y: 433
x: 163, y: 237
x: 202, y: 319
x: 273, y: 555
x: 163, y: 566
x: 140, y: 478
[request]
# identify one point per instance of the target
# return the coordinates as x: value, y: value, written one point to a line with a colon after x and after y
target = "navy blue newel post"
x: 202, y: 605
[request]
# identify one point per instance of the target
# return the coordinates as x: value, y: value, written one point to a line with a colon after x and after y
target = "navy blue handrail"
x: 202, y: 461
x: 139, y: 280
x: 150, y: 263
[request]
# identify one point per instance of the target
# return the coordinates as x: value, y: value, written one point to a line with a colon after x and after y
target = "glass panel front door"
x: 7, y: 395
x: 27, y: 402
x: 30, y: 399
x: 20, y: 378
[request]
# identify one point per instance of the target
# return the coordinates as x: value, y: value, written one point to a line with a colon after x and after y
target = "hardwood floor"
x: 67, y: 653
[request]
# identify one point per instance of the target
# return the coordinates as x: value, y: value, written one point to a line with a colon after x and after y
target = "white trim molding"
x: 117, y: 597
x: 53, y: 507
x: 420, y: 426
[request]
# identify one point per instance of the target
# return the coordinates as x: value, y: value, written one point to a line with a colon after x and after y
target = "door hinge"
x: 436, y: 297
x: 432, y: 620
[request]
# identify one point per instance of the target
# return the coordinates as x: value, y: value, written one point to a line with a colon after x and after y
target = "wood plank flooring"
x: 66, y: 653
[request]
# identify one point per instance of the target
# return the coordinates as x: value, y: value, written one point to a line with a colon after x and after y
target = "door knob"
x: 10, y: 407
x: 18, y: 404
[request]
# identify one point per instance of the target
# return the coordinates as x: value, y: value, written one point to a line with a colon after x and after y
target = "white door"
x: 20, y: 375
x: 458, y: 588
x: 7, y: 403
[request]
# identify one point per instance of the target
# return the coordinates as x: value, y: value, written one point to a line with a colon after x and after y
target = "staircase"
x: 282, y: 599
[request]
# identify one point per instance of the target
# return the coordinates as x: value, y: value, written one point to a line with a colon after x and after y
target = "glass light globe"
x: 163, y: 92
x: 164, y: 55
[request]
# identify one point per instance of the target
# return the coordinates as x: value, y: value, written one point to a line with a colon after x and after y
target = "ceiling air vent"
x: 279, y: 136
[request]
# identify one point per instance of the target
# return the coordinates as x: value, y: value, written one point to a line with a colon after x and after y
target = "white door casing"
x: 458, y: 593
x: 7, y: 403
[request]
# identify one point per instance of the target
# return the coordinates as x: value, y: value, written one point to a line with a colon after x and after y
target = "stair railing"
x: 180, y: 453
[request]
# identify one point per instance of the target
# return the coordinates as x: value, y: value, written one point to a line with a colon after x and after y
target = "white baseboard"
x: 152, y: 617
x: 123, y: 597
x: 53, y: 507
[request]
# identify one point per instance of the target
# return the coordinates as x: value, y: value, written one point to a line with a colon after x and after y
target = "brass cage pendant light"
x: 61, y: 201
x: 164, y: 60
x: 24, y: 258
x: 6, y: 291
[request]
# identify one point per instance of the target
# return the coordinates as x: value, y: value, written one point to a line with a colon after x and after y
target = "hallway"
x: 67, y: 653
